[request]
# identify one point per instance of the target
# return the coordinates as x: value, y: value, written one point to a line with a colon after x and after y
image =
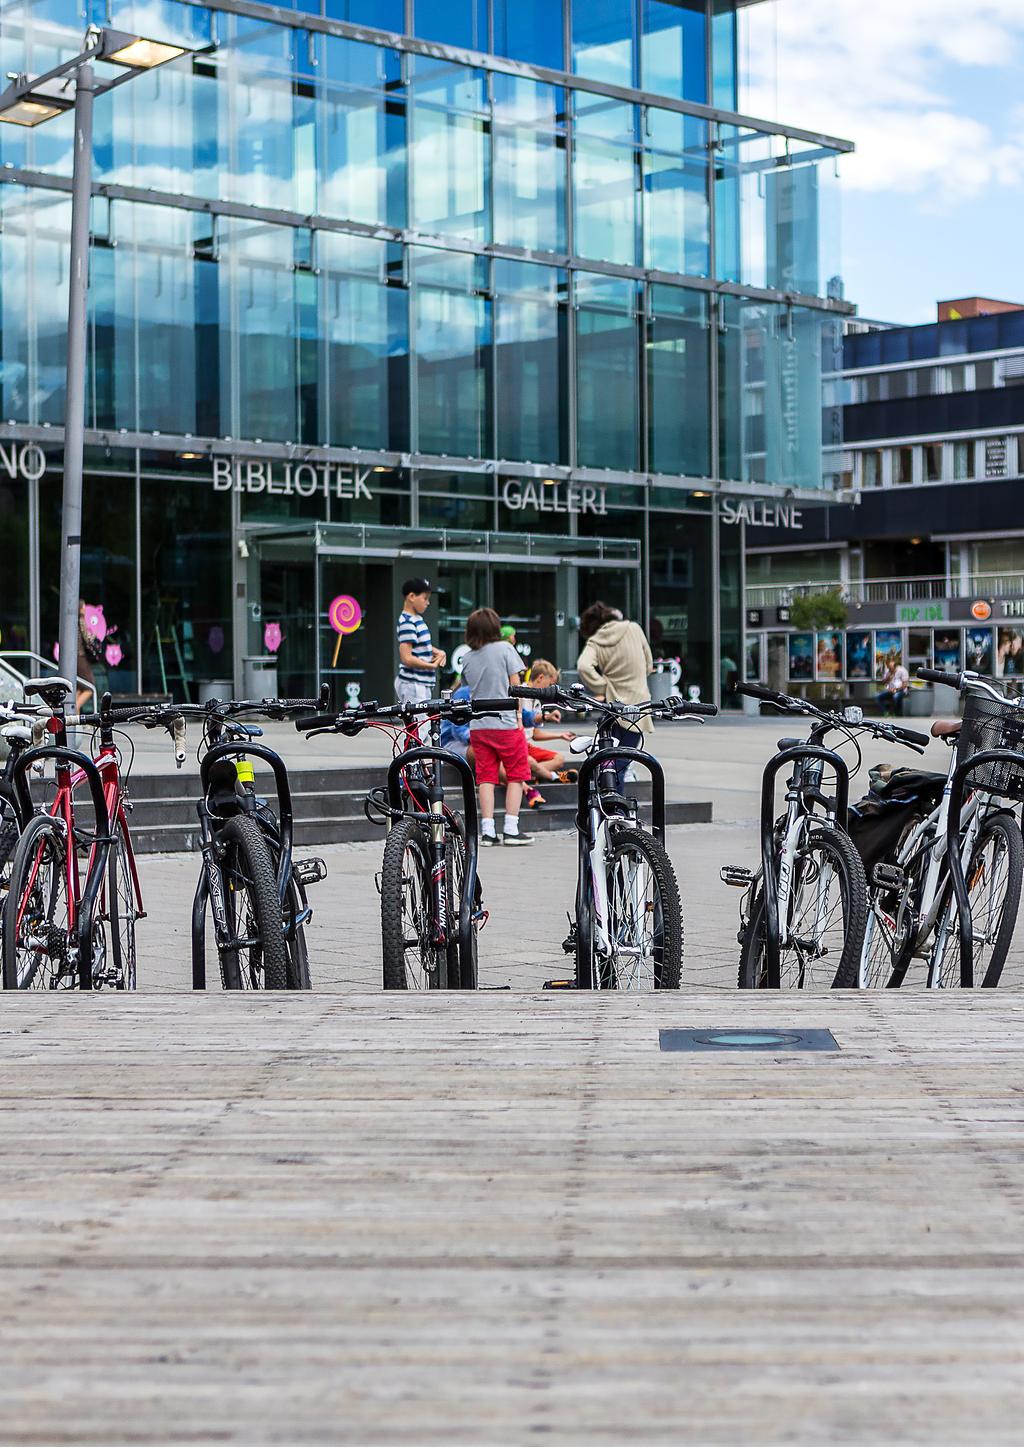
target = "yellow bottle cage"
x: 244, y: 770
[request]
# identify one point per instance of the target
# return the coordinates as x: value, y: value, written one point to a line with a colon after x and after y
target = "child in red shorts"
x: 497, y: 739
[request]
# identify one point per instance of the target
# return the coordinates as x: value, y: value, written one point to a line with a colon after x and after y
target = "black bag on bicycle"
x: 877, y: 821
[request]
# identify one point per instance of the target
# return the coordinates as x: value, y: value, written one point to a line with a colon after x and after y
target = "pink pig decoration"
x: 95, y: 623
x: 272, y: 636
x: 112, y: 653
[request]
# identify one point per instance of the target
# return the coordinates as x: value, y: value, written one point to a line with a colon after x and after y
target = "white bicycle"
x: 948, y: 895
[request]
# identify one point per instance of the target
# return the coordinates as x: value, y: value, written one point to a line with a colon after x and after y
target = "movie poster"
x: 858, y: 656
x: 828, y: 661
x: 888, y: 650
x: 801, y: 657
x: 979, y: 650
x: 947, y: 649
x: 1009, y: 653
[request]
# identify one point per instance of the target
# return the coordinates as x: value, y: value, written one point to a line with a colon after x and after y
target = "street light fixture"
x: 31, y: 101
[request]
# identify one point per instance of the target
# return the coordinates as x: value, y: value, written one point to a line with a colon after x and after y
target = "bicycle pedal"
x: 736, y: 875
x: 888, y: 876
x: 559, y: 985
x: 309, y: 871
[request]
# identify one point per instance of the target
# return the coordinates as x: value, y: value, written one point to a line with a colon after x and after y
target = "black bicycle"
x: 249, y: 882
x: 430, y: 894
x: 627, y: 933
x: 804, y: 912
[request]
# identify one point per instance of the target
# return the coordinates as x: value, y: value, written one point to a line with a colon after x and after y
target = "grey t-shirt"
x: 487, y: 671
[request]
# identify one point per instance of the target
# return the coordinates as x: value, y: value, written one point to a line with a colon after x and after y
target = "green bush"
x: 812, y: 611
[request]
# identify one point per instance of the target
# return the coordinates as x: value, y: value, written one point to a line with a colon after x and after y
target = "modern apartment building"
x: 930, y: 558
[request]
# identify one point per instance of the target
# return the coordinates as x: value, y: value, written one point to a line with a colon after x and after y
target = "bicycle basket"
x: 991, y: 724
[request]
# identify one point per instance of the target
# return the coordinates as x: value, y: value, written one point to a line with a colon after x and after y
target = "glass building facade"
x: 502, y: 291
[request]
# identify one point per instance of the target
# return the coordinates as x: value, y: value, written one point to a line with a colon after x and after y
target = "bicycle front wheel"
x: 828, y: 915
x: 122, y: 911
x: 412, y: 961
x: 645, y: 919
x: 255, y: 958
x: 994, y: 888
x: 40, y: 950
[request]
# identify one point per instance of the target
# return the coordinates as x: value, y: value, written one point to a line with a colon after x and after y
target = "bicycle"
x: 17, y: 737
x: 55, y: 924
x: 249, y: 881
x: 950, y: 893
x: 430, y: 894
x: 803, y: 915
x: 627, y: 933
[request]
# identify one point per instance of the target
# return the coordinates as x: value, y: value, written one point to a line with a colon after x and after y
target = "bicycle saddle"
x: 790, y: 744
x: 16, y: 734
x: 53, y: 691
x: 945, y: 727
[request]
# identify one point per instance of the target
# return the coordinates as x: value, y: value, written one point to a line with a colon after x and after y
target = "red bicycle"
x: 56, y: 918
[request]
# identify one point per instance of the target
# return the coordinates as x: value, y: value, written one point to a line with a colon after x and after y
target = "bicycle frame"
x: 438, y: 864
x: 72, y: 767
x: 593, y: 828
x: 209, y: 889
x: 777, y: 898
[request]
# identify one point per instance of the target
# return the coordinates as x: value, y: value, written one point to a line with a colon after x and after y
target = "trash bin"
x: 751, y: 706
x: 259, y: 677
x: 660, y: 683
x: 212, y: 688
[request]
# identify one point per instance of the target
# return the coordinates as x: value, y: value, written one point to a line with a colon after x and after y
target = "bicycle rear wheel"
x: 645, y: 921
x: 40, y: 949
x: 828, y: 916
x: 411, y: 959
x: 994, y: 887
x: 893, y: 914
x: 257, y: 960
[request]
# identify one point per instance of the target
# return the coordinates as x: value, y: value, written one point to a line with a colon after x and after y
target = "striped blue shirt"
x: 412, y: 629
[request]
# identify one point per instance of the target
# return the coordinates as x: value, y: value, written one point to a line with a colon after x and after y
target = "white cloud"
x: 882, y: 73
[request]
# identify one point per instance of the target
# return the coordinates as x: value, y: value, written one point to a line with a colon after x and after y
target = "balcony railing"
x: 893, y: 590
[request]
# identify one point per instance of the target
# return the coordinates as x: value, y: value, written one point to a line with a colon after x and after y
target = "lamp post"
x: 28, y: 102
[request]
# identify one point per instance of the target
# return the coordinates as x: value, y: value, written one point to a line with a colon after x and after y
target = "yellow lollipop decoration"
x: 344, y: 615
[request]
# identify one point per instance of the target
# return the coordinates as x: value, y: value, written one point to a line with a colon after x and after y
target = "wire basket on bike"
x: 989, y: 723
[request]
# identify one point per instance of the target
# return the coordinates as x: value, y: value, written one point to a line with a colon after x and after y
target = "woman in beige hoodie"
x: 614, y: 665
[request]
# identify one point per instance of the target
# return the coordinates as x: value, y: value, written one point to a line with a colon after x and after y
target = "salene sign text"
x: 289, y: 479
x: 546, y: 498
x: 762, y: 514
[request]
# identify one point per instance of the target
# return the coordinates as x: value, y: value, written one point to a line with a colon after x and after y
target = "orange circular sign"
x: 981, y: 610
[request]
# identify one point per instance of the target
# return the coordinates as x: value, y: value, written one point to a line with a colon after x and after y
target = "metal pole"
x: 74, y: 412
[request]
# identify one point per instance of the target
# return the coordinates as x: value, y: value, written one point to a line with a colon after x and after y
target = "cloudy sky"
x: 930, y: 92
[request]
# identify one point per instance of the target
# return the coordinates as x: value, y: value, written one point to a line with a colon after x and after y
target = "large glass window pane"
x: 724, y: 63
x: 607, y: 373
x: 530, y: 30
x: 604, y: 40
x: 676, y: 225
x: 381, y: 14
x: 776, y: 213
x: 366, y: 331
x: 452, y: 351
x: 605, y: 181
x: 362, y: 134
x: 672, y: 59
x: 14, y: 545
x: 165, y: 284
x: 257, y: 265
x: 529, y: 165
x: 260, y: 109
x: 770, y: 393
x: 455, y: 22
x: 530, y: 360
x: 678, y: 372
x: 33, y: 303
x: 449, y: 151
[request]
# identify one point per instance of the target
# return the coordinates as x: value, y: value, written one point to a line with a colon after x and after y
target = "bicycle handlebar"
x: 576, y: 699
x: 783, y: 701
x: 353, y: 721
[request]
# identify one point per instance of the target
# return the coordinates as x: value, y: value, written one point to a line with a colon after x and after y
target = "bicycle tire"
x: 401, y: 910
x: 267, y: 966
x: 41, y: 852
x: 998, y: 826
x: 667, y: 951
x: 900, y: 951
x: 455, y: 848
x: 122, y: 915
x: 853, y: 895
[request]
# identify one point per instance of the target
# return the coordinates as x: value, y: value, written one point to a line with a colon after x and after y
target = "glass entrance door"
x: 525, y: 597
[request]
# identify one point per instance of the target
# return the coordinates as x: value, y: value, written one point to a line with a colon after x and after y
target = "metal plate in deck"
x: 772, y: 1042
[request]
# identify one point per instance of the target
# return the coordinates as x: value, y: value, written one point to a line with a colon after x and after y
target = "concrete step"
x: 170, y: 837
